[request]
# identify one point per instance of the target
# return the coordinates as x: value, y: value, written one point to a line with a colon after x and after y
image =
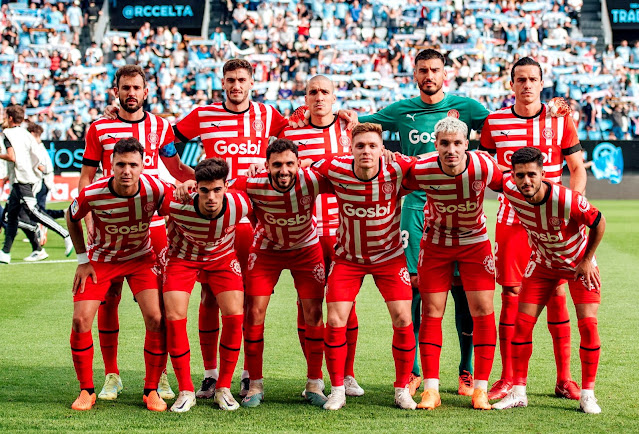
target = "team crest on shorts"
x: 548, y: 133
x: 153, y: 139
x: 453, y: 114
x: 149, y: 207
x: 319, y: 273
x: 554, y: 221
x: 306, y: 200
x: 478, y: 186
x: 404, y: 275
x: 583, y: 204
x: 235, y: 267
x: 251, y: 260
x: 388, y: 187
x: 345, y: 141
x: 258, y: 125
x: 489, y: 264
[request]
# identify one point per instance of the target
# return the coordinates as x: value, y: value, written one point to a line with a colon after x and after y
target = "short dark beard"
x: 128, y: 109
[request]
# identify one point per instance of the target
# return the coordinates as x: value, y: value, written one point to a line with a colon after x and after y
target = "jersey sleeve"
x: 93, y: 148
x: 79, y: 207
x: 410, y: 177
x: 167, y: 141
x: 238, y: 184
x: 165, y: 206
x: 479, y: 113
x: 189, y: 127
x: 247, y: 206
x: 386, y: 117
x: 495, y: 182
x: 486, y: 142
x: 321, y: 167
x: 570, y: 141
x: 582, y: 211
x: 278, y: 123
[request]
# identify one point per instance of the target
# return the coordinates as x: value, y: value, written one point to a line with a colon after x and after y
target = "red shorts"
x: 391, y: 277
x: 306, y: 265
x: 328, y: 248
x: 138, y: 272
x: 436, y: 265
x: 221, y: 275
x: 512, y: 253
x: 160, y: 247
x: 540, y: 282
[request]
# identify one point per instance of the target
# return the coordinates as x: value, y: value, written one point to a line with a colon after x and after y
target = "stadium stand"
x: 55, y: 63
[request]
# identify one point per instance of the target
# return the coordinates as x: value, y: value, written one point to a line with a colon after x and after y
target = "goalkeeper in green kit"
x: 415, y: 121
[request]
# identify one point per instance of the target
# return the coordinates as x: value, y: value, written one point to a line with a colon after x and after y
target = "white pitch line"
x: 61, y: 261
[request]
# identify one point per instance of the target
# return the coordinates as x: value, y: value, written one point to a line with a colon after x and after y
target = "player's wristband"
x: 83, y: 258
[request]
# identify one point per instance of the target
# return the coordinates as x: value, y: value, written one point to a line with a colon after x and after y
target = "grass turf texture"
x: 38, y: 383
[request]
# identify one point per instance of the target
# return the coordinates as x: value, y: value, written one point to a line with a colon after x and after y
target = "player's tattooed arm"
x: 85, y: 269
x: 587, y: 268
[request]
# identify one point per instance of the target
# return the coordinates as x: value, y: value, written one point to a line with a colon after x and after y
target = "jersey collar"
x: 439, y: 163
x: 324, y: 127
x: 366, y: 180
x: 512, y: 109
x: 133, y: 122
x: 110, y: 184
x: 234, y: 112
x: 546, y: 196
x: 196, y: 206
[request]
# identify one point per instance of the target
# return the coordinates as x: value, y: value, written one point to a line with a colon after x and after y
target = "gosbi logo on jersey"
x: 453, y: 208
x: 415, y: 137
x: 548, y: 133
x: 547, y: 236
x: 126, y: 230
x: 205, y: 244
x: 258, y: 125
x: 292, y: 221
x: 489, y: 264
x: 388, y: 187
x: 248, y: 148
x: 478, y: 186
x: 379, y: 210
x: 453, y: 114
x: 583, y: 204
x: 319, y: 273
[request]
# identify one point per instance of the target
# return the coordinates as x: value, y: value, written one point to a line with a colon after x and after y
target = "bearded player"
x: 555, y: 219
x: 122, y: 207
x: 368, y: 242
x: 530, y: 123
x: 201, y: 239
x: 156, y: 135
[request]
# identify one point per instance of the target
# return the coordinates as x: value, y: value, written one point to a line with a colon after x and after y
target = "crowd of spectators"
x: 367, y: 48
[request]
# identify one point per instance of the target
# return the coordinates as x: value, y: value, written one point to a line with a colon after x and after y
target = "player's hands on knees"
x: 350, y: 116
x: 183, y: 191
x: 255, y: 168
x: 589, y: 272
x: 111, y: 112
x: 82, y: 273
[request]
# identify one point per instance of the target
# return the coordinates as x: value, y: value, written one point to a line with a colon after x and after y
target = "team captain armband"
x: 596, y: 222
x: 168, y: 150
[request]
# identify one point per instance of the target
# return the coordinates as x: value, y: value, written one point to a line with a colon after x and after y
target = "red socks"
x: 254, y: 349
x: 301, y: 328
x: 559, y: 327
x: 589, y: 350
x: 209, y: 329
x: 230, y: 344
x: 109, y: 328
x: 335, y: 347
x: 177, y: 341
x: 509, y: 307
x: 154, y: 358
x: 522, y: 347
x: 352, y: 330
x: 403, y: 353
x: 82, y: 355
x: 430, y: 345
x: 484, y: 341
x: 314, y: 351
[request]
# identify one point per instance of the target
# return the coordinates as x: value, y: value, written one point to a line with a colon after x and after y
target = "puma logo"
x: 412, y: 117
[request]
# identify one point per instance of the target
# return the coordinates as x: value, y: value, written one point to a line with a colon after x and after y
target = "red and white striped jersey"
x: 239, y: 138
x: 455, y: 204
x: 285, y: 220
x: 505, y: 132
x: 557, y: 226
x: 152, y: 131
x: 315, y: 143
x: 369, y: 211
x: 121, y: 224
x: 194, y: 237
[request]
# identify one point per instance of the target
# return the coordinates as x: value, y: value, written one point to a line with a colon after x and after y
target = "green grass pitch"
x: 38, y: 384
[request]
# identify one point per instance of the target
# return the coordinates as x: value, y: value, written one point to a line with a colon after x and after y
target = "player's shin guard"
x: 403, y: 353
x: 254, y: 349
x: 177, y: 342
x: 430, y: 345
x: 109, y: 330
x: 314, y: 351
x: 155, y: 356
x: 82, y: 354
x: 335, y: 348
x: 209, y: 330
x: 507, y: 318
x: 301, y: 328
x: 484, y: 340
x: 464, y: 326
x: 352, y: 330
x: 559, y: 327
x: 589, y: 350
x: 230, y: 343
x: 522, y: 347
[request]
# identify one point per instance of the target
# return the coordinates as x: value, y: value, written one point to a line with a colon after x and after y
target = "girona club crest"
x: 235, y: 267
x: 478, y: 186
x: 149, y: 207
x: 404, y: 275
x: 583, y: 204
x: 345, y: 141
x: 554, y: 221
x: 306, y: 200
x: 388, y: 187
x: 258, y: 125
x: 153, y: 139
x: 548, y: 133
x: 453, y: 114
x: 489, y: 264
x: 319, y: 273
x: 251, y: 261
